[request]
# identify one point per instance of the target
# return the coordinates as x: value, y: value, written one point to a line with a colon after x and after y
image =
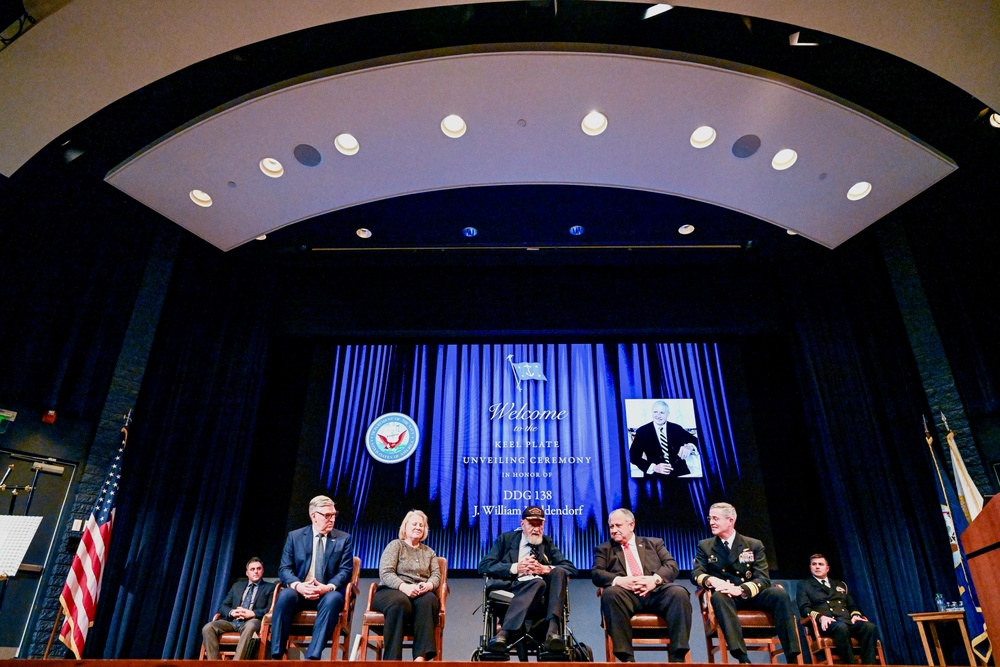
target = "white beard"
x: 533, y: 539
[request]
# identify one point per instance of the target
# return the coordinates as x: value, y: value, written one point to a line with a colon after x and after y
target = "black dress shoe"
x: 554, y: 643
x: 498, y: 644
x: 625, y: 657
x: 741, y: 658
x: 679, y: 656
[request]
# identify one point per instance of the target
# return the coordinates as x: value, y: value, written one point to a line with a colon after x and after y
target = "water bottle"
x: 939, y: 601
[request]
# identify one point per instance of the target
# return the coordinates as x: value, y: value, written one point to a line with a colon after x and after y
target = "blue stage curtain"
x: 863, y: 402
x: 184, y: 475
x: 449, y: 389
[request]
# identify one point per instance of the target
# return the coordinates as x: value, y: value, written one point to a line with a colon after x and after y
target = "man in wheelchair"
x: 531, y: 567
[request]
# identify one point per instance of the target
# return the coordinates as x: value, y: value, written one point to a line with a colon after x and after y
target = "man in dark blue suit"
x: 241, y: 611
x: 531, y: 566
x: 316, y: 564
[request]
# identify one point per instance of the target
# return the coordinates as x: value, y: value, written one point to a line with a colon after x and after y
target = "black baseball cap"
x: 533, y: 512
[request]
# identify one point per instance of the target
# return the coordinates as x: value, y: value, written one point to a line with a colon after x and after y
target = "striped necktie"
x: 661, y: 433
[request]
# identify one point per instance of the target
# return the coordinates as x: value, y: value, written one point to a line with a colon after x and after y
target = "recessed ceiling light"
x: 364, y: 233
x: 347, y: 144
x: 791, y: 232
x: 859, y: 190
x: 262, y: 237
x: 656, y: 10
x: 453, y: 126
x: 703, y: 137
x: 594, y: 123
x: 272, y: 167
x: 469, y: 232
x: 576, y: 230
x: 200, y: 198
x: 995, y: 119
x: 784, y: 159
x: 685, y: 229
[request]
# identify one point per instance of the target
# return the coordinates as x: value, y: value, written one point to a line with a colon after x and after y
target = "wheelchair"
x: 531, y: 640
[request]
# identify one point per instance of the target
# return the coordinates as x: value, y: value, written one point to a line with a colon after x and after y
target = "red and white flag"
x: 83, y: 583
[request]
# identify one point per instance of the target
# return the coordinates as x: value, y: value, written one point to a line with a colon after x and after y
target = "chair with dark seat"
x: 373, y: 622
x: 759, y: 631
x: 229, y: 640
x: 300, y: 630
x: 823, y: 649
x: 649, y: 633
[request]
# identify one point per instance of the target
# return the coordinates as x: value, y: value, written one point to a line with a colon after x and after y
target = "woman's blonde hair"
x: 402, y: 526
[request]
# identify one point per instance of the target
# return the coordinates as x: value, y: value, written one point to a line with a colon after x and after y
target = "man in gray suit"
x: 637, y: 574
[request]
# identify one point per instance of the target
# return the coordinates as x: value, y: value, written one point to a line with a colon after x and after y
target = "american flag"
x: 83, y: 583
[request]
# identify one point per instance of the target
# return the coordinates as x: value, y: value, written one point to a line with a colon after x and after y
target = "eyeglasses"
x: 329, y: 517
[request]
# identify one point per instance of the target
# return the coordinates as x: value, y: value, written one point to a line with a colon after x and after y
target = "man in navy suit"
x: 316, y: 564
x: 637, y: 575
x: 241, y: 611
x: 531, y: 566
x: 734, y: 568
x: 830, y: 603
x: 661, y: 448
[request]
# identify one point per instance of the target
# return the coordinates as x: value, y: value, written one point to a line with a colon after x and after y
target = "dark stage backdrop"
x: 473, y: 433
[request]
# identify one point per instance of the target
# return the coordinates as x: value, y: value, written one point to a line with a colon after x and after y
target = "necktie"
x: 318, y: 571
x: 248, y: 596
x: 826, y: 583
x: 725, y: 545
x: 634, y: 568
x: 661, y: 433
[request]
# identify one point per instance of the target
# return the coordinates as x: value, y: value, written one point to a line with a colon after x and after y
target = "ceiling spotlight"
x: 347, y: 144
x: 594, y: 123
x: 200, y: 198
x: 795, y: 39
x: 469, y: 232
x: 576, y: 230
x: 784, y: 159
x: 791, y: 232
x: 685, y: 229
x: 859, y: 190
x: 272, y: 167
x: 656, y: 10
x: 364, y: 233
x: 703, y: 137
x: 995, y: 119
x: 453, y: 126
x: 262, y: 237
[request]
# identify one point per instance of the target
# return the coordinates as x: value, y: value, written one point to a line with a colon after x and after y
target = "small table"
x: 932, y: 617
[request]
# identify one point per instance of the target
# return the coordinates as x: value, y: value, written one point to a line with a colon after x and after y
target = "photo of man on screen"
x: 660, y: 448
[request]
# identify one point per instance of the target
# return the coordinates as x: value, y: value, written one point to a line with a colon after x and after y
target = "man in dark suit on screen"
x: 316, y: 564
x: 660, y: 448
x: 531, y: 566
x: 241, y: 611
x: 734, y: 568
x: 637, y: 574
x: 830, y: 603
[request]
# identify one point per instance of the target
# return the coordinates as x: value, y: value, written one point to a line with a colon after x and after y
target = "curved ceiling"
x: 524, y: 110
x: 212, y: 88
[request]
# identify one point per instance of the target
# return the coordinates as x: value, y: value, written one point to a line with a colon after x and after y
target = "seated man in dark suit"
x: 316, y: 563
x: 241, y: 610
x: 830, y: 603
x: 661, y: 448
x: 734, y: 568
x: 531, y: 566
x: 637, y: 574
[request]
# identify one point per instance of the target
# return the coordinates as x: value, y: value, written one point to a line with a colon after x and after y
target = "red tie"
x: 633, y: 562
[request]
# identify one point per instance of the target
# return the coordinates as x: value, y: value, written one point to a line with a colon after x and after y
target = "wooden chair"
x: 373, y: 623
x: 649, y: 633
x: 822, y: 648
x: 300, y: 629
x: 759, y: 632
x: 229, y: 640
